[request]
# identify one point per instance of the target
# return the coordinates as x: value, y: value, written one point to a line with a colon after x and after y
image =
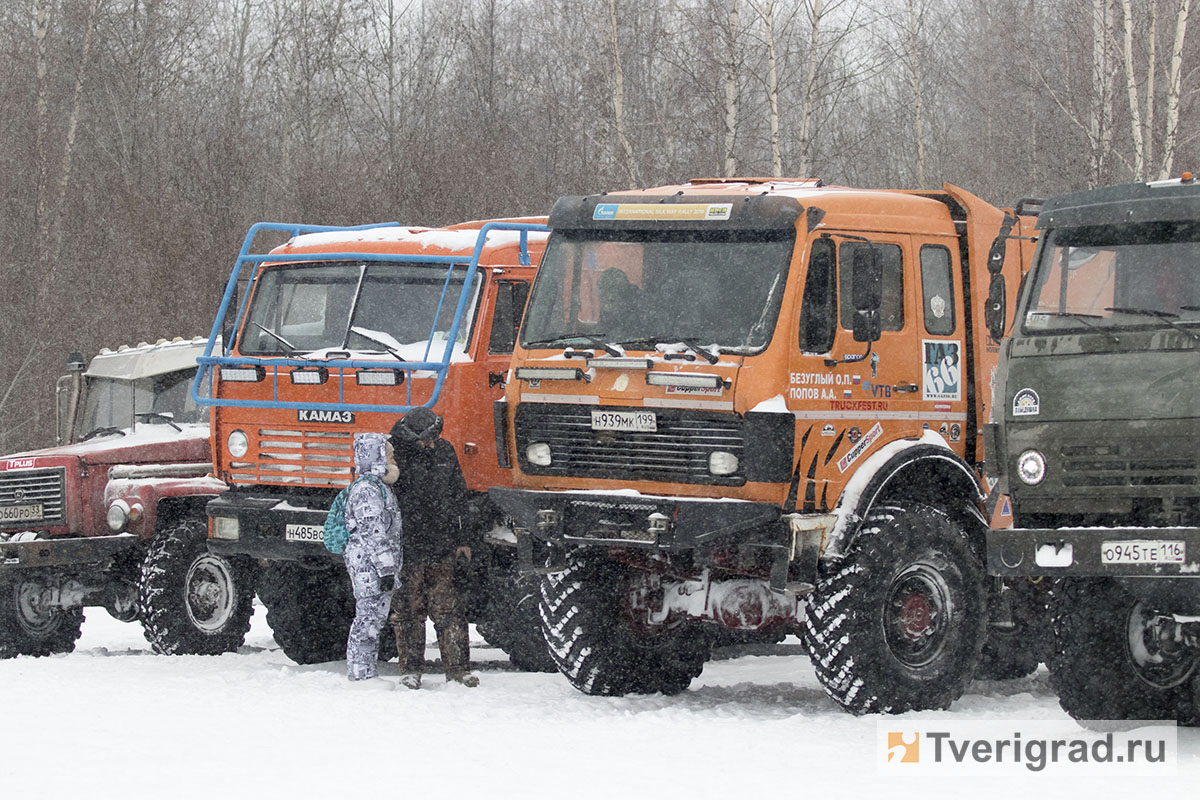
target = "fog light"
x: 118, y: 515
x: 238, y: 444
x: 243, y: 374
x: 379, y: 377
x: 1031, y: 466
x: 722, y: 463
x: 225, y: 528
x: 308, y: 376
x: 538, y: 454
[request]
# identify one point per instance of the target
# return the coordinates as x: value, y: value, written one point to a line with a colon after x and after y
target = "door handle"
x: 495, y: 379
x: 906, y: 387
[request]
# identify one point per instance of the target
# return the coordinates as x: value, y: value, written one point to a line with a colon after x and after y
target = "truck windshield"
x: 377, y: 307
x: 112, y: 404
x: 1116, y: 276
x: 643, y: 288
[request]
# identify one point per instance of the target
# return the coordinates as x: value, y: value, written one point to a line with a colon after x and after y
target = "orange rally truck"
x: 755, y: 405
x: 342, y: 330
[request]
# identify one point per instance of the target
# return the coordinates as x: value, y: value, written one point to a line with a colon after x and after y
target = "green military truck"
x: 1097, y: 427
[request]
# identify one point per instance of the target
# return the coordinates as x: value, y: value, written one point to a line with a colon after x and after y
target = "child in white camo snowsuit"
x: 373, y: 552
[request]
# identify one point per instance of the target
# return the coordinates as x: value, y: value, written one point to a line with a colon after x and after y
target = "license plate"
x: 637, y: 421
x: 20, y: 513
x: 1142, y: 552
x: 304, y: 533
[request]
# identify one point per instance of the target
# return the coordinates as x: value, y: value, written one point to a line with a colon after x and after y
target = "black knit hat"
x: 420, y: 424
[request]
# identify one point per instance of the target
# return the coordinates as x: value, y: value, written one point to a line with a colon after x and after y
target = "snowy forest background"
x: 140, y: 138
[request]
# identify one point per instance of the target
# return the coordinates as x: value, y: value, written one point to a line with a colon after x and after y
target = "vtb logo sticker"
x: 903, y: 748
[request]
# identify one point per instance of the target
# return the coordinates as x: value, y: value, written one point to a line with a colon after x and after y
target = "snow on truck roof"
x: 455, y: 239
x: 147, y: 360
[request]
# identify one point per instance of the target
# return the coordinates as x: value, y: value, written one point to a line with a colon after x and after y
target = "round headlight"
x: 118, y: 515
x: 722, y: 463
x: 237, y: 443
x: 1031, y: 466
x: 538, y: 454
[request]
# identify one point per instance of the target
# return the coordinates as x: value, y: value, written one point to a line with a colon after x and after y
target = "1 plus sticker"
x: 942, y: 372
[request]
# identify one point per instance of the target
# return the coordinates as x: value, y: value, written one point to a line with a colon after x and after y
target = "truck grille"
x: 298, y: 458
x: 1112, y: 465
x: 678, y: 451
x: 25, y: 487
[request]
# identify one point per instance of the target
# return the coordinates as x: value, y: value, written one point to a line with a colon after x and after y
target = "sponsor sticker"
x: 693, y: 390
x: 1026, y: 403
x: 18, y: 463
x: 828, y: 430
x: 863, y: 445
x: 942, y: 373
x: 662, y: 211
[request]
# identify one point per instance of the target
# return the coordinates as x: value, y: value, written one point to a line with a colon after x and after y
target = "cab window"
x: 937, y: 290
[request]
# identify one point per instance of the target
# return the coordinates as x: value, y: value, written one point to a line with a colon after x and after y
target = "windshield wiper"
x: 1165, y: 316
x: 291, y: 347
x: 594, y: 339
x: 1085, y: 319
x: 165, y: 416
x: 101, y: 431
x: 690, y: 342
x: 366, y: 334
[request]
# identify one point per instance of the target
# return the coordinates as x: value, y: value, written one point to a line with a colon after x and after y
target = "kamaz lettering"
x: 317, y: 415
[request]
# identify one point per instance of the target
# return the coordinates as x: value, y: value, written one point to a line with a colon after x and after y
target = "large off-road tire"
x: 191, y: 601
x: 595, y: 643
x: 30, y: 628
x: 512, y: 623
x: 1108, y: 664
x: 898, y: 624
x: 1017, y: 651
x: 309, y: 610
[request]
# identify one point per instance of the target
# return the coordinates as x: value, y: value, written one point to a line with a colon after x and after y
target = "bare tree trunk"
x: 1101, y: 109
x: 768, y: 14
x: 1135, y: 104
x: 731, y: 93
x: 41, y: 35
x: 1174, y: 91
x: 619, y: 97
x: 1151, y: 73
x: 915, y: 54
x: 810, y: 88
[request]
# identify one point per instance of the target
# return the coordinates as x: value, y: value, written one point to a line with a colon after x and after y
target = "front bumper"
x: 73, y: 551
x: 262, y: 523
x: 1048, y: 552
x: 718, y: 532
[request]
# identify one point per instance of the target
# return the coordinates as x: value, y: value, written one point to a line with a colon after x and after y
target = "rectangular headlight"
x: 549, y: 373
x: 243, y: 374
x: 310, y: 376
x: 225, y: 528
x: 379, y: 377
x: 691, y: 380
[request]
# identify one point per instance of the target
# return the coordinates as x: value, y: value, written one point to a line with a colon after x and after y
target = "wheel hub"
x: 1157, y: 651
x: 37, y: 617
x: 916, y: 615
x: 210, y: 593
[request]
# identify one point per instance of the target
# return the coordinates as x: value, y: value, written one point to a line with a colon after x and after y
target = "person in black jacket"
x: 434, y: 504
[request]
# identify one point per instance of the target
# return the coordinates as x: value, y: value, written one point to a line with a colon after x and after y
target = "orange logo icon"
x: 903, y: 748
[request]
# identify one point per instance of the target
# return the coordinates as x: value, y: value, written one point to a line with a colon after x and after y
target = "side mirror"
x: 229, y: 321
x: 866, y: 292
x: 996, y: 313
x: 868, y: 325
x: 867, y: 279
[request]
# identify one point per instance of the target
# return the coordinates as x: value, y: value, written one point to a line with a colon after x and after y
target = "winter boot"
x: 465, y: 678
x: 411, y: 680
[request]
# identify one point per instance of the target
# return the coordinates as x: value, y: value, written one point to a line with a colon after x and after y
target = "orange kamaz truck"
x: 342, y: 330
x: 755, y: 405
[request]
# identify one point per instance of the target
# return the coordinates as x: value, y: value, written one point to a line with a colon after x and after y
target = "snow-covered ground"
x: 112, y: 720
